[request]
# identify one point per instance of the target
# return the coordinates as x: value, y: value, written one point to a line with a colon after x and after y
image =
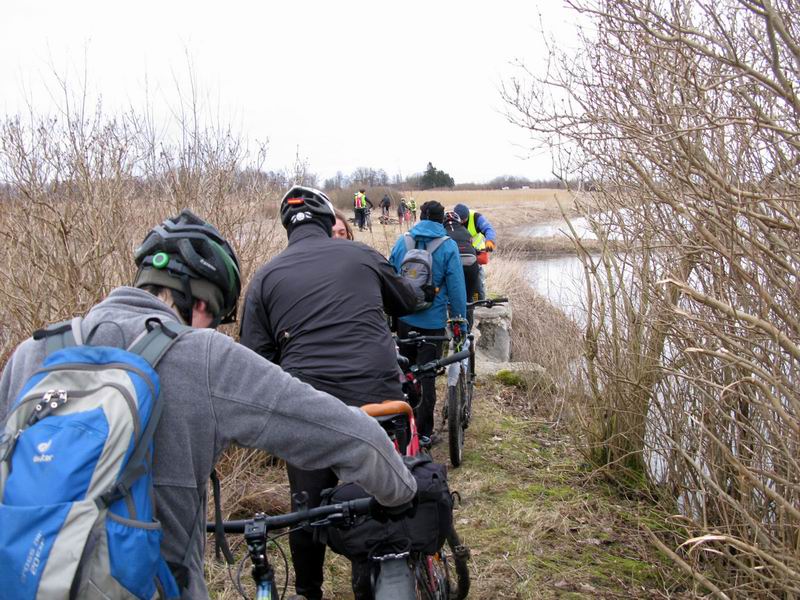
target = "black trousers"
x: 426, y: 353
x: 308, y: 556
x: 360, y: 213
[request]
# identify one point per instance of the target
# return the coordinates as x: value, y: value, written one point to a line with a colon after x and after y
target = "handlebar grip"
x: 443, y: 362
x: 228, y: 526
x: 453, y: 358
x: 488, y: 302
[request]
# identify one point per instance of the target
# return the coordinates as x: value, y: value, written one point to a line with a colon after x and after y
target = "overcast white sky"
x: 353, y: 83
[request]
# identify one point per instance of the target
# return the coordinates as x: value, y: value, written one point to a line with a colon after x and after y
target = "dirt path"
x: 537, y: 522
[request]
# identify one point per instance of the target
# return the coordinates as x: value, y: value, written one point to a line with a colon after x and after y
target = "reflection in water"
x: 561, y: 281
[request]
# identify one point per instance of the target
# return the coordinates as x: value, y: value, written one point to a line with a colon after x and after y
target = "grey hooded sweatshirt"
x: 217, y: 393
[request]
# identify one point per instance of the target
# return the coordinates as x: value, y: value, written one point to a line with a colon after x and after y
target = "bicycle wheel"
x: 469, y: 388
x: 458, y: 562
x: 433, y: 577
x: 445, y: 575
x: 455, y: 425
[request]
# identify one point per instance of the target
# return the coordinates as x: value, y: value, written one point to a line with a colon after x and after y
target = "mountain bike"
x: 398, y: 574
x: 443, y: 575
x: 260, y: 532
x: 457, y: 412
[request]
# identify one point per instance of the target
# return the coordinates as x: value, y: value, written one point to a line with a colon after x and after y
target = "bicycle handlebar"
x: 435, y: 365
x: 487, y: 302
x: 422, y: 339
x: 326, y: 515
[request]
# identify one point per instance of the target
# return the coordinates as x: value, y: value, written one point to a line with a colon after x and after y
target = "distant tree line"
x: 368, y: 177
x: 433, y: 178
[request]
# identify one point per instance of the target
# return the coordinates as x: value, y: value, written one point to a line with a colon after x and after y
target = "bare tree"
x: 685, y: 115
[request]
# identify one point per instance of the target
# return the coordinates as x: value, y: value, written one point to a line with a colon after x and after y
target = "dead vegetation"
x: 685, y: 114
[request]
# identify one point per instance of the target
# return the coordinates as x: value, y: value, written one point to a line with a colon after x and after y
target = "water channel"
x: 560, y: 279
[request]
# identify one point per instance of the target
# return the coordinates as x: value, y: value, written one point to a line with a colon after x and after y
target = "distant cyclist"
x: 360, y: 204
x: 317, y: 310
x: 484, y: 237
x: 412, y: 207
x: 385, y: 204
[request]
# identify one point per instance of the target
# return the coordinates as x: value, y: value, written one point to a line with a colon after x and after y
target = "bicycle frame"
x: 394, y: 578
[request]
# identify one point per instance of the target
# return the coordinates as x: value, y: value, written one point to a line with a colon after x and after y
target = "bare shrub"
x: 686, y: 116
x: 80, y: 190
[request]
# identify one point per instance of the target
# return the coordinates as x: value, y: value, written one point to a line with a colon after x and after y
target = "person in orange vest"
x: 484, y: 238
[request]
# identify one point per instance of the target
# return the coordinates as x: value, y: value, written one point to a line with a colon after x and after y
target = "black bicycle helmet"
x: 452, y: 216
x: 190, y: 257
x: 302, y: 203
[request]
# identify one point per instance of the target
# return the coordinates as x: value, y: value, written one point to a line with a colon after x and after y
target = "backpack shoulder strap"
x: 60, y: 335
x: 433, y: 245
x: 152, y: 345
x: 157, y: 339
x: 409, y: 240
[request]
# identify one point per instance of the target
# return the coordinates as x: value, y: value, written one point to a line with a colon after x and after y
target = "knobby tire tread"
x: 455, y: 427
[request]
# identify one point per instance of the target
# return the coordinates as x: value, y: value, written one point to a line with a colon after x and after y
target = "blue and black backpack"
x: 76, y: 491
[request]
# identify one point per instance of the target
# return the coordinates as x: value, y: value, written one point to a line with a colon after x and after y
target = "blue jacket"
x: 482, y: 225
x: 448, y: 277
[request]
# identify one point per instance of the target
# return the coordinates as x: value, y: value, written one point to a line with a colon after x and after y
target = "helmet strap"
x: 184, y: 301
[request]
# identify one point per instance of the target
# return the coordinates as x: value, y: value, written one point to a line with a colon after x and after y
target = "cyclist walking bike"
x: 409, y: 573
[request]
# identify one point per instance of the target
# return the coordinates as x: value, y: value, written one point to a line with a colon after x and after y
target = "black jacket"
x: 461, y: 236
x: 317, y: 310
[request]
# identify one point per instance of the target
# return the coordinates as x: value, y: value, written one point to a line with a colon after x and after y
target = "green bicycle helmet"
x: 190, y: 257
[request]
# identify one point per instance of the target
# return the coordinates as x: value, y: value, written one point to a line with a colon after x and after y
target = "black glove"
x: 383, y: 513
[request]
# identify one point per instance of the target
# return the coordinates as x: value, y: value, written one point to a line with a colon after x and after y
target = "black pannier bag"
x: 424, y: 532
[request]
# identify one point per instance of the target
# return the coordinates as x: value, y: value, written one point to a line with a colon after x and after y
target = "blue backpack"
x: 76, y: 489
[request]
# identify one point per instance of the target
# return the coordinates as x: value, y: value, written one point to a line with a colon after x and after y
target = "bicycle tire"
x: 433, y: 580
x: 450, y: 571
x: 455, y: 425
x: 459, y: 586
x: 469, y: 389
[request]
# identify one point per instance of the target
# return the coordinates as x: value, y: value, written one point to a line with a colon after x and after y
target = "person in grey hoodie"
x: 217, y: 393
